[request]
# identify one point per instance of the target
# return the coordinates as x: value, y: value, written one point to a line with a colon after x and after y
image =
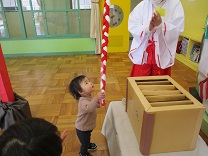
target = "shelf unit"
x: 186, y: 58
x: 195, y: 16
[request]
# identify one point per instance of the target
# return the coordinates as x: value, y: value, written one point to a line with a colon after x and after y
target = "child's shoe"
x: 92, y: 147
x: 88, y: 154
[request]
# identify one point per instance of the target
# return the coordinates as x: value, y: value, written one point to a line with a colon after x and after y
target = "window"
x: 44, y: 18
x: 83, y: 4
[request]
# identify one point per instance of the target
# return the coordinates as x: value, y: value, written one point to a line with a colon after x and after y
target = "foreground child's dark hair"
x: 31, y: 137
x: 74, y: 86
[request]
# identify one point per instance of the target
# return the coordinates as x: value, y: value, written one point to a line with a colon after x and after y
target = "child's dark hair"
x: 31, y: 137
x: 74, y: 86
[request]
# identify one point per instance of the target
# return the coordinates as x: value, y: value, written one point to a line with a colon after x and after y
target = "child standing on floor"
x: 81, y: 89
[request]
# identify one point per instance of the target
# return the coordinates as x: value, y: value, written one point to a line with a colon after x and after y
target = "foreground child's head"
x: 31, y: 137
x: 81, y: 87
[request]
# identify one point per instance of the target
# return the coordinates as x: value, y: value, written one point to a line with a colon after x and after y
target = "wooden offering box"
x: 164, y: 116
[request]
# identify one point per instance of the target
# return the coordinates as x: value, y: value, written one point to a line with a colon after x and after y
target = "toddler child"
x: 81, y: 89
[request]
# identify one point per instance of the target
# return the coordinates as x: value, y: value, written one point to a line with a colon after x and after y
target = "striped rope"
x: 104, y: 47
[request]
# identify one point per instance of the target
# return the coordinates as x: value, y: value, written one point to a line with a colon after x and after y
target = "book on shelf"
x: 179, y: 47
x: 184, y: 45
x: 195, y: 53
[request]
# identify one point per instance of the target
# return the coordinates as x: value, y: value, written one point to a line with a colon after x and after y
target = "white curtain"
x: 95, y: 26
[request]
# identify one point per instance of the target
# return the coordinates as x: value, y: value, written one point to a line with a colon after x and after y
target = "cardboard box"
x: 164, y: 116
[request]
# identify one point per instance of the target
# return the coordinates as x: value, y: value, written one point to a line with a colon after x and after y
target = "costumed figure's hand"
x: 151, y: 25
x: 156, y: 19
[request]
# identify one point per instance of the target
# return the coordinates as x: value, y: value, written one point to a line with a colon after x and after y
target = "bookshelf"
x: 196, y: 12
x: 186, y: 58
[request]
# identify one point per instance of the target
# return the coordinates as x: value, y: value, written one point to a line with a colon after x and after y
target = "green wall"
x: 48, y: 47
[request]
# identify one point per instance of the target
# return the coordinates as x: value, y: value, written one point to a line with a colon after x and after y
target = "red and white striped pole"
x: 104, y: 47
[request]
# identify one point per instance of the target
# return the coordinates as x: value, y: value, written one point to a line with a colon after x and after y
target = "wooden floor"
x: 43, y: 81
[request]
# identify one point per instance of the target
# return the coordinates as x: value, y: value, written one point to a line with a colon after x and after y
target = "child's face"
x: 87, y: 87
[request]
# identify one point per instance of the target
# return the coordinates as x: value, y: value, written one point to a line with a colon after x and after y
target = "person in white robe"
x: 203, y: 73
x: 155, y: 26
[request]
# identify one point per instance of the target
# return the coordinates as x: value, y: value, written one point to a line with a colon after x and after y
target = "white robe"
x: 203, y: 74
x: 165, y: 36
